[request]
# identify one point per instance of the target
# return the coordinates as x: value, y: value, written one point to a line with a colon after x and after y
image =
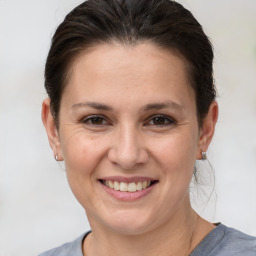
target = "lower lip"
x: 127, y: 196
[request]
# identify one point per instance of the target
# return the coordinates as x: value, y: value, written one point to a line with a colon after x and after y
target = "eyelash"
x: 167, y: 120
x: 89, y: 120
x: 103, y: 121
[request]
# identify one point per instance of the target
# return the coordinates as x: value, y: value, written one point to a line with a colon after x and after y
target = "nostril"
x: 128, y: 158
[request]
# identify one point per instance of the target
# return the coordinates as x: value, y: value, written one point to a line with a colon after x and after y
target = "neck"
x: 177, y: 237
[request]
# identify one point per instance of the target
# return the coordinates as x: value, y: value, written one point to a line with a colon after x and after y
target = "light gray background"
x: 37, y: 209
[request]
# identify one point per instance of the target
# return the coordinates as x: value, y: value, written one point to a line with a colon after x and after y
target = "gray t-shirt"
x: 221, y: 241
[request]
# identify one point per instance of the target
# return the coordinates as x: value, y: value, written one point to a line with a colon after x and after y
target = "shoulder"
x: 237, y: 243
x: 225, y: 241
x: 73, y: 248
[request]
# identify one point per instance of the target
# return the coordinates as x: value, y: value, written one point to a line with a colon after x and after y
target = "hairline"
x: 86, y: 48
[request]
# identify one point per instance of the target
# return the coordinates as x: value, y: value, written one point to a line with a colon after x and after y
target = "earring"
x: 56, y: 157
x: 204, y: 156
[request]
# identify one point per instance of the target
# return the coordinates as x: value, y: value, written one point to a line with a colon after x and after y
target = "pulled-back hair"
x: 165, y: 23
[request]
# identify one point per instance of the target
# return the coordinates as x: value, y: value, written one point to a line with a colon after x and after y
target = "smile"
x: 127, y: 187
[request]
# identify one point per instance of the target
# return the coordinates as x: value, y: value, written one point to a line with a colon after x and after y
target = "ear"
x: 51, y: 130
x: 207, y: 129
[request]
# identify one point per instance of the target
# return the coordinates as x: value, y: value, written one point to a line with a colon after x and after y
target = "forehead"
x: 135, y: 71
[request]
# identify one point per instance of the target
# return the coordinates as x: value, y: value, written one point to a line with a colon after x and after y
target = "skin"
x: 129, y: 87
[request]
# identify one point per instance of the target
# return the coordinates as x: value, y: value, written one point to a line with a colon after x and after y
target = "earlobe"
x: 51, y: 129
x: 207, y: 129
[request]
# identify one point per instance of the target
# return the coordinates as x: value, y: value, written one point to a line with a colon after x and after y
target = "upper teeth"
x: 127, y: 187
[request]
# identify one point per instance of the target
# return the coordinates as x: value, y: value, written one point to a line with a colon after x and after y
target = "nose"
x: 128, y: 150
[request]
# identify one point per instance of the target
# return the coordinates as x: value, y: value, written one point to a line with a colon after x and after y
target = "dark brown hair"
x: 164, y: 22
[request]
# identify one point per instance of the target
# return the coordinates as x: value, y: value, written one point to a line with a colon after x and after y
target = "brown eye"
x: 95, y: 120
x: 160, y: 121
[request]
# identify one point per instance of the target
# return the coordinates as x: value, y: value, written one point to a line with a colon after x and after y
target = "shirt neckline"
x: 210, y: 241
x: 203, y: 248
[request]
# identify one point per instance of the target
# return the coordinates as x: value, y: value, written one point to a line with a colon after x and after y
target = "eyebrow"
x: 159, y: 106
x: 94, y: 105
x: 148, y: 107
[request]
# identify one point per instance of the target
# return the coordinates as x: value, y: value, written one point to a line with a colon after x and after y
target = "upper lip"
x: 128, y: 179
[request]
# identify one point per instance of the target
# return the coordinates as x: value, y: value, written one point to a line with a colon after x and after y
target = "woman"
x: 131, y: 107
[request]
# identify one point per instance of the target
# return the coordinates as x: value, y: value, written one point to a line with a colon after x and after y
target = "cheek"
x: 81, y: 152
x: 179, y: 148
x: 176, y: 155
x: 77, y: 154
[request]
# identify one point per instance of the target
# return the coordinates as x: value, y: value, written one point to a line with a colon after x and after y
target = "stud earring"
x: 204, y: 156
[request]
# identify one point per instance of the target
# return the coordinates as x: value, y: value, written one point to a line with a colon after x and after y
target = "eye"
x: 160, y: 120
x: 95, y: 120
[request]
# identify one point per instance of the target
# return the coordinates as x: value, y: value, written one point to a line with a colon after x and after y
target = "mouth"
x: 131, y: 187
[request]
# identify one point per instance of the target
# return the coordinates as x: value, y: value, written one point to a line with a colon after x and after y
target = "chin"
x: 130, y: 228
x: 129, y: 222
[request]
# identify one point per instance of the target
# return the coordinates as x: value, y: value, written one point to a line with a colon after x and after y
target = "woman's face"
x: 128, y: 119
